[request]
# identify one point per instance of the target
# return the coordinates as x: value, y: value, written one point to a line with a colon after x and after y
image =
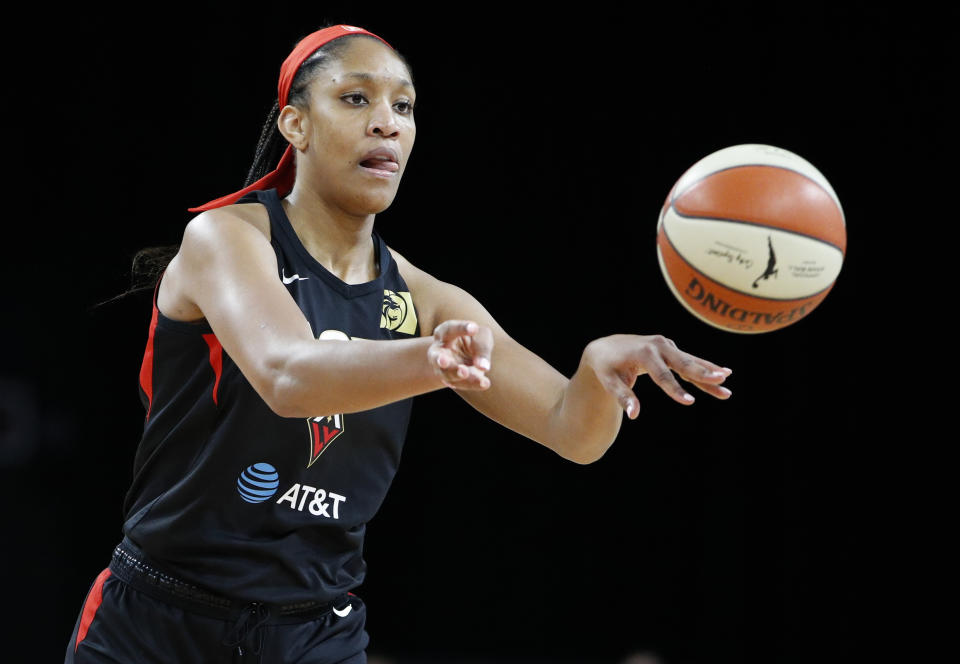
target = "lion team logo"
x: 397, y: 313
x: 323, y: 431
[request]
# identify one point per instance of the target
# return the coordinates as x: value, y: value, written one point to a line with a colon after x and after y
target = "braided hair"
x: 149, y: 264
x: 271, y: 145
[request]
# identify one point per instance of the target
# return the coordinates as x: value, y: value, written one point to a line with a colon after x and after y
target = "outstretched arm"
x: 226, y: 272
x: 579, y: 417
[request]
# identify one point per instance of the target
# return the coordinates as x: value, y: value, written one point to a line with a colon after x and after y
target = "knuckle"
x: 664, y: 376
x: 661, y: 341
x: 645, y: 353
x: 617, y: 389
x: 611, y: 384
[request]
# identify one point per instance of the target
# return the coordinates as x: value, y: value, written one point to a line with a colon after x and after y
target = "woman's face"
x: 359, y: 129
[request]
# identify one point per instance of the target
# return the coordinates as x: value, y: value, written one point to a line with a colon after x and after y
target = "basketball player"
x: 286, y: 343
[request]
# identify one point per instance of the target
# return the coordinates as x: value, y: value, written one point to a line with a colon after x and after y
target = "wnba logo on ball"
x: 258, y: 482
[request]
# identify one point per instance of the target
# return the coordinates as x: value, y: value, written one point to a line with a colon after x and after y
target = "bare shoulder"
x: 414, y: 276
x: 422, y: 286
x: 437, y: 300
x: 232, y: 221
x: 212, y: 241
x: 421, y: 279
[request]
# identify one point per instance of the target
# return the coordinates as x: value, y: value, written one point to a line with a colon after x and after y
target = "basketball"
x: 751, y: 238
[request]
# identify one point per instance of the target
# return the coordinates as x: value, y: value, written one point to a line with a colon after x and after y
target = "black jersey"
x: 234, y: 498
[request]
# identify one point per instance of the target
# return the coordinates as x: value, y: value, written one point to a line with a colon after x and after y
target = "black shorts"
x: 132, y: 613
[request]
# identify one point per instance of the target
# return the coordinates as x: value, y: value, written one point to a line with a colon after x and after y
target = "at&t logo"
x: 258, y: 483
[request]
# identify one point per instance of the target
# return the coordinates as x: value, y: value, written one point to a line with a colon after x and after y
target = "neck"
x: 340, y: 241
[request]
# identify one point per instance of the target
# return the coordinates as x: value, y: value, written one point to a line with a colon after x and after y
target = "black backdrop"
x: 724, y: 532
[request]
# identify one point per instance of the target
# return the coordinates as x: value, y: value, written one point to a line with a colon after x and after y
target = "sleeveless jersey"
x: 233, y: 498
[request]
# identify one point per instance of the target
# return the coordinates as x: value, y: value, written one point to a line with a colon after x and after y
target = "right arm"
x: 226, y: 272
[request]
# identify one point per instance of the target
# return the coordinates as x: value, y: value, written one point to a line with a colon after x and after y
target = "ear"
x: 293, y: 123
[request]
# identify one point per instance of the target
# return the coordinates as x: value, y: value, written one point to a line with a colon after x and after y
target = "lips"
x: 382, y: 161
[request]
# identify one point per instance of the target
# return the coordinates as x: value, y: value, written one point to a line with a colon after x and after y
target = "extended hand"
x: 460, y: 354
x: 619, y: 359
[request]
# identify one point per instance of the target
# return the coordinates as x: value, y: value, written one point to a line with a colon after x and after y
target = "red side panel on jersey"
x: 94, y: 600
x: 146, y: 368
x: 216, y: 360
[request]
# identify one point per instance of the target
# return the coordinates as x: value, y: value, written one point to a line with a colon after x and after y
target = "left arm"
x: 580, y: 417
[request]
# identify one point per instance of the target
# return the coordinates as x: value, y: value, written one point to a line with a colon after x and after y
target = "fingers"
x: 706, y: 375
x: 718, y: 391
x: 460, y: 354
x: 666, y: 381
x: 693, y: 368
x: 454, y: 373
x: 481, y: 340
x: 482, y: 348
x: 620, y: 388
x: 661, y: 359
x: 707, y: 380
x: 463, y: 377
x: 451, y: 329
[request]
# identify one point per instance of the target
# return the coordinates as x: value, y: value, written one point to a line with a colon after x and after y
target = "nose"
x: 383, y: 121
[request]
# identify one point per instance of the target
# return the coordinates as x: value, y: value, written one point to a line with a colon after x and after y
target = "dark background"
x: 743, y: 531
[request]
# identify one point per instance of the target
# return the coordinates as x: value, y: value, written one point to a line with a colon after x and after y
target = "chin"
x: 372, y: 202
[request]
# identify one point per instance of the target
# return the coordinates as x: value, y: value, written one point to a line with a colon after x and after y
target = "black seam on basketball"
x: 734, y: 290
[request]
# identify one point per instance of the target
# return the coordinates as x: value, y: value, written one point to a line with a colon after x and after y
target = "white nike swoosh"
x: 344, y: 611
x: 289, y: 280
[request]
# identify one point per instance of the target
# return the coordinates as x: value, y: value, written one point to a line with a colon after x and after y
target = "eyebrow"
x: 369, y: 77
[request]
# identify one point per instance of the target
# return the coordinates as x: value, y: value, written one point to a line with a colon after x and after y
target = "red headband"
x: 282, y: 177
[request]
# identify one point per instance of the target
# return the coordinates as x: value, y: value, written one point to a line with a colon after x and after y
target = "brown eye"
x: 404, y: 107
x: 354, y: 99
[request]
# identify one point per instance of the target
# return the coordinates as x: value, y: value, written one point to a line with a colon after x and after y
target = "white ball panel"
x: 738, y: 254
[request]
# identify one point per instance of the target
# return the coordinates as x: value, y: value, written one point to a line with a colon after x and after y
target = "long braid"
x: 272, y: 144
x: 269, y: 147
x: 149, y: 264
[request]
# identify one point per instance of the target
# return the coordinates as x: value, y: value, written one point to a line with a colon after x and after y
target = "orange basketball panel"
x: 767, y: 195
x: 720, y: 306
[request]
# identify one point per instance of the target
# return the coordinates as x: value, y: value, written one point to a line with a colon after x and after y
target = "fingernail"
x: 726, y: 391
x: 727, y: 371
x: 462, y: 371
x: 688, y: 398
x: 484, y: 363
x: 472, y: 328
x: 631, y: 408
